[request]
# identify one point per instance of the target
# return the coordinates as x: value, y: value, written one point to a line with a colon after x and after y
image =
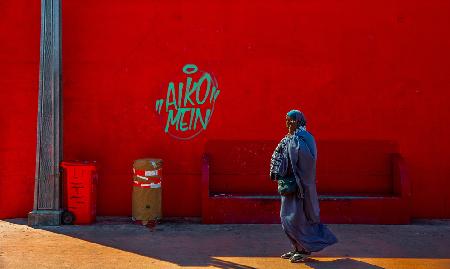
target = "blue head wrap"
x: 298, y: 116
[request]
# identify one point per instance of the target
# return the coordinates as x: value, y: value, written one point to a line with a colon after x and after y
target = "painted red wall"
x: 359, y: 70
x: 19, y: 78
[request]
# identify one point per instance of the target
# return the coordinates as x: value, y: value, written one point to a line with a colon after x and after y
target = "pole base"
x: 44, y: 218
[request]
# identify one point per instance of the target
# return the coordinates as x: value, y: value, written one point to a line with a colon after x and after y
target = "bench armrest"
x: 205, y: 177
x: 402, y: 184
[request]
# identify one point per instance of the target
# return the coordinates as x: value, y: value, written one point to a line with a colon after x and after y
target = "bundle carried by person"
x: 279, y: 168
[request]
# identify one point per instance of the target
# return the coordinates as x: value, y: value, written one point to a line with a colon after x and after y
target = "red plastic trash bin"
x: 80, y: 190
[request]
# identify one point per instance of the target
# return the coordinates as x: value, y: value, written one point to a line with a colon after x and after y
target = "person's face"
x: 291, y: 124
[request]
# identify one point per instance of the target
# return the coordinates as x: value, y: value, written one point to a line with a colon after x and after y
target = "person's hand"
x: 273, y: 176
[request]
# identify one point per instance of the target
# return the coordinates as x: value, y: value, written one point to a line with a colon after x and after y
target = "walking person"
x: 293, y: 165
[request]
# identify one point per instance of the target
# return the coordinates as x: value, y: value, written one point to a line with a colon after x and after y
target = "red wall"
x: 359, y: 70
x: 19, y: 78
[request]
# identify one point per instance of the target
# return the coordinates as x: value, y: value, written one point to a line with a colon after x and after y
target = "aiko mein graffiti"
x: 189, y: 104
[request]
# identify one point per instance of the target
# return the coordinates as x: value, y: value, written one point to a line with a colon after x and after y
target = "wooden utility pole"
x: 47, y: 188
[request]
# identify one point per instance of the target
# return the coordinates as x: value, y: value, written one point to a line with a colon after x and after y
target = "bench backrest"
x: 238, y: 166
x: 351, y: 167
x: 343, y: 167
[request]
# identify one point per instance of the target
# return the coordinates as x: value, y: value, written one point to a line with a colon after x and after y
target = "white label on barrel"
x: 151, y: 173
x: 151, y: 185
x: 155, y: 186
x: 141, y: 177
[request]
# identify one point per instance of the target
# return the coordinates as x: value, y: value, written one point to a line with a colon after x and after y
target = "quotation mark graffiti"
x: 214, y: 94
x: 159, y: 104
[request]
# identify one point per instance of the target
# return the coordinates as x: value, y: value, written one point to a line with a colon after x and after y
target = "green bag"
x: 287, y: 185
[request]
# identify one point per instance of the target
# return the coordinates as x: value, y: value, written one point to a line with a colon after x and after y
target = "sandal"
x: 298, y: 257
x: 289, y: 254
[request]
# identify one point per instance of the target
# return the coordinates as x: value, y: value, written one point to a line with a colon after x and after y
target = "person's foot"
x: 289, y: 254
x: 304, y: 252
x: 299, y: 257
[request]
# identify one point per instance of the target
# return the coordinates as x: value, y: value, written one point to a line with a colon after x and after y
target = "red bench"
x: 357, y: 181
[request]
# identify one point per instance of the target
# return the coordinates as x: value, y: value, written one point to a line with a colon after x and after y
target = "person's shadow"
x: 342, y: 263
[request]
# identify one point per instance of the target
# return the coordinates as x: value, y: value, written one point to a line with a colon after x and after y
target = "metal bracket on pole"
x: 47, y: 193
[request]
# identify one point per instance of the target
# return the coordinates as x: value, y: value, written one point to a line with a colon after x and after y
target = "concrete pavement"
x: 117, y: 243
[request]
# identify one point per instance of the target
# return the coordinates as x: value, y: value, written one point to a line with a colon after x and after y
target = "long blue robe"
x: 300, y: 212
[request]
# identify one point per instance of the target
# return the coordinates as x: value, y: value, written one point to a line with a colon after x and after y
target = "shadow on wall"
x: 196, y: 245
